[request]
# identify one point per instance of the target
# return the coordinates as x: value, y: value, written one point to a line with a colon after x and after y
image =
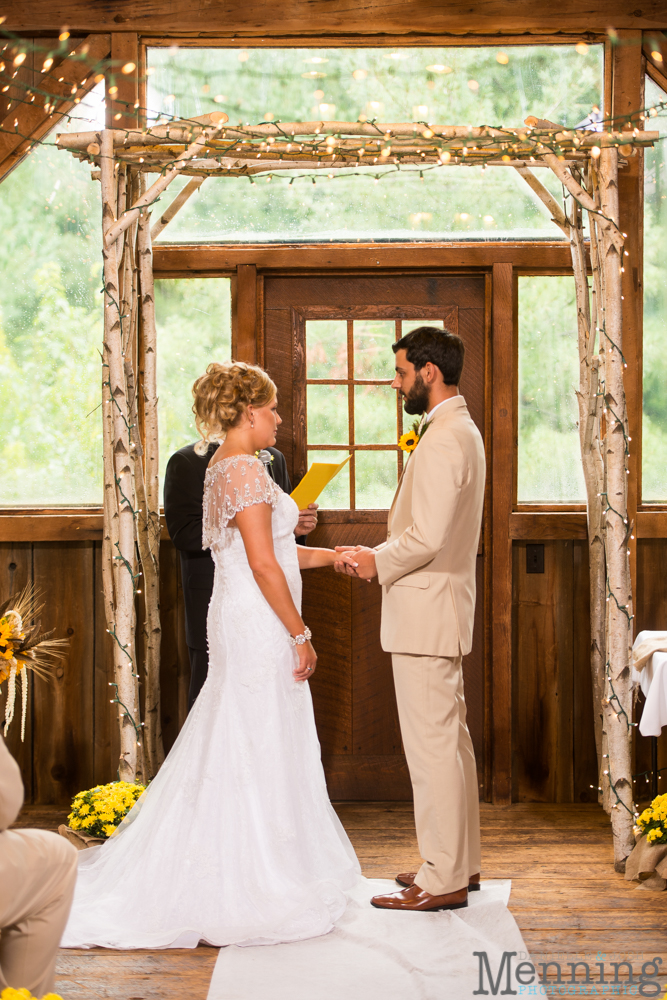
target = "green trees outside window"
x: 447, y: 86
x: 548, y: 458
x: 654, y: 428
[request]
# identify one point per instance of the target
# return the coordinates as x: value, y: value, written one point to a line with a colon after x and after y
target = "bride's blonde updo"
x: 224, y: 394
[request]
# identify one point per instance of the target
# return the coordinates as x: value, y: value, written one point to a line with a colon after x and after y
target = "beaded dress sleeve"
x: 232, y: 485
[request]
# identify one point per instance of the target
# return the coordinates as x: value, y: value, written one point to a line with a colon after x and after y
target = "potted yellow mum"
x: 97, y: 812
x: 648, y: 861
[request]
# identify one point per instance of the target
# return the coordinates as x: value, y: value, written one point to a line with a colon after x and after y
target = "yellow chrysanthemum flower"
x: 24, y: 994
x: 109, y: 829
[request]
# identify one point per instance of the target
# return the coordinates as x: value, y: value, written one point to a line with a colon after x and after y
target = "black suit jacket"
x: 183, y: 511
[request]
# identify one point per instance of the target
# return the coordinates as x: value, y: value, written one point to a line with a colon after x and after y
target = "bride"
x: 235, y: 840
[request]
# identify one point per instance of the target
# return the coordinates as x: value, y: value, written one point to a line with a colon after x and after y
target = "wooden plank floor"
x: 568, y: 901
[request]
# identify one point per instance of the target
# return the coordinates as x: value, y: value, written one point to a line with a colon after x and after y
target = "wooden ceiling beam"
x: 121, y: 111
x: 303, y: 17
x: 26, y: 121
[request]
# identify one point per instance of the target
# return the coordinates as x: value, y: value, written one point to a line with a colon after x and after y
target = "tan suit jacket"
x: 427, y: 565
x: 11, y: 787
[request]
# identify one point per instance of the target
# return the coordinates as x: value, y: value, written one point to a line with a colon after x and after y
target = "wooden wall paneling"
x: 106, y: 738
x: 299, y: 412
x: 279, y: 363
x: 174, y: 671
x: 63, y: 709
x: 121, y: 111
x: 628, y: 98
x: 244, y: 314
x: 486, y: 539
x: 651, y: 614
x: 15, y: 573
x: 181, y: 261
x: 502, y: 452
x: 584, y: 757
x: 375, y: 728
x: 543, y: 673
x: 300, y: 19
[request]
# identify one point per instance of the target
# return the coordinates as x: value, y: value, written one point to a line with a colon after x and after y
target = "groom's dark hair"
x: 430, y: 343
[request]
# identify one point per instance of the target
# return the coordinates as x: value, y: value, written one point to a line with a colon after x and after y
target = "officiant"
x: 183, y: 511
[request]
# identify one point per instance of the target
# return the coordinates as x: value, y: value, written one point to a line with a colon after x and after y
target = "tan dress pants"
x: 441, y: 761
x: 37, y: 877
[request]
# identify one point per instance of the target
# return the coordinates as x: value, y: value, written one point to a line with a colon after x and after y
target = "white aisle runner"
x: 374, y: 954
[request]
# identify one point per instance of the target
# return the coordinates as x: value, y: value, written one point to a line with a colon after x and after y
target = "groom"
x: 427, y: 571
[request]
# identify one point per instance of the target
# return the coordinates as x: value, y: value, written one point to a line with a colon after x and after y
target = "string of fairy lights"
x: 428, y: 148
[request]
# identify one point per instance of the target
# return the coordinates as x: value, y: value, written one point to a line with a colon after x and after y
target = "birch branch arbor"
x: 586, y: 163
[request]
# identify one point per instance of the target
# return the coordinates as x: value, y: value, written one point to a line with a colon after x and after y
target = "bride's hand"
x: 307, y: 662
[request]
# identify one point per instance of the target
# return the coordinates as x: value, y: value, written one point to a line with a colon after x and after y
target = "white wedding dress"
x: 235, y: 840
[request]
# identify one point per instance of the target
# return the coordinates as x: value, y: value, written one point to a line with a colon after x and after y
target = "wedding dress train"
x: 235, y: 840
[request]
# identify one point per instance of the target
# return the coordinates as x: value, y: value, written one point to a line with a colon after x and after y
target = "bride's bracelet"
x: 299, y: 640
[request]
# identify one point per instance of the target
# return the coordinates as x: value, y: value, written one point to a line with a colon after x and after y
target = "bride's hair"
x: 224, y: 394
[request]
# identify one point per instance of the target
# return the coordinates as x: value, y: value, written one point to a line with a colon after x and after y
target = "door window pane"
x: 373, y: 356
x: 375, y: 417
x: 51, y: 326
x: 327, y: 410
x: 549, y: 458
x: 370, y: 479
x: 445, y: 86
x: 193, y: 319
x: 654, y: 421
x: 376, y: 478
x: 326, y: 349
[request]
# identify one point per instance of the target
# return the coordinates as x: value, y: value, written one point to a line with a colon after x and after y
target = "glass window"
x: 351, y: 407
x: 654, y: 422
x: 51, y: 326
x: 446, y: 86
x: 549, y: 457
x: 193, y: 319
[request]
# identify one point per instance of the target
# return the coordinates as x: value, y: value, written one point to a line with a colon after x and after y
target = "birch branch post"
x: 604, y: 452
x: 119, y: 493
x: 148, y: 497
x: 617, y: 702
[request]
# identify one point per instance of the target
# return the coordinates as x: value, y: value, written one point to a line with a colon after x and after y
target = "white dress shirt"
x: 438, y: 405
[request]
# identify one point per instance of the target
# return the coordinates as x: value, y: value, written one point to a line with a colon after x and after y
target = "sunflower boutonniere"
x: 408, y: 442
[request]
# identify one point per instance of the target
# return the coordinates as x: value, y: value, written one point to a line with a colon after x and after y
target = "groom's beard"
x: 416, y: 401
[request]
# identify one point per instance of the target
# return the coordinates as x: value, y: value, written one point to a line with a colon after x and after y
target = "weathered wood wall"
x: 71, y: 738
x: 553, y: 743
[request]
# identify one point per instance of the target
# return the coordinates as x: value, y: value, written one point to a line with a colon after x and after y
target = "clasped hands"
x: 359, y: 561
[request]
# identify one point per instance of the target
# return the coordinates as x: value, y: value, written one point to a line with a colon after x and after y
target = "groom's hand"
x: 307, y: 520
x: 364, y: 558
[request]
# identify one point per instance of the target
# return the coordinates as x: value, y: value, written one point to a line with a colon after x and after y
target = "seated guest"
x: 37, y: 876
x: 183, y: 511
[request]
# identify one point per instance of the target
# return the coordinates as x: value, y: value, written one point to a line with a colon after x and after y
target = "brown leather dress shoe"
x: 407, y: 879
x: 414, y: 898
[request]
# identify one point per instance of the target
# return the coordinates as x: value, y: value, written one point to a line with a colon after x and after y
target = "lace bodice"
x: 230, y: 486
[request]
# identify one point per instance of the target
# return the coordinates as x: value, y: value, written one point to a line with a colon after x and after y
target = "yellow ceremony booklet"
x: 318, y: 476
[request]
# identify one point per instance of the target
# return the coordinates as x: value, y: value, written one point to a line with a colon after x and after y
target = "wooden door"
x: 327, y: 345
